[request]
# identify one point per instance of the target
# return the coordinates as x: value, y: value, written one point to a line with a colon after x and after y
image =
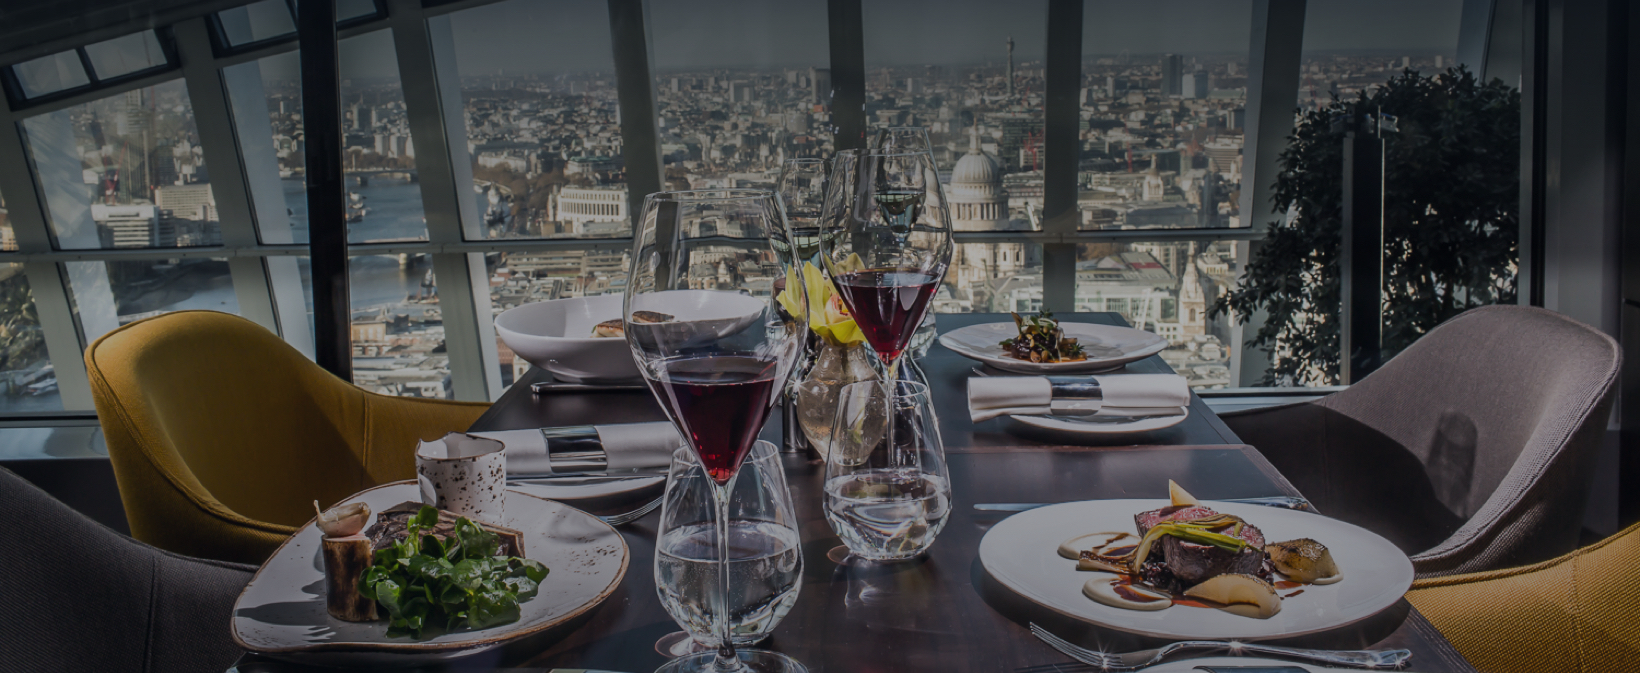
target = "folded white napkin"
x: 1121, y: 395
x: 627, y: 446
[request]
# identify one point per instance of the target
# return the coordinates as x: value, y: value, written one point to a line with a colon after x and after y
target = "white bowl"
x: 556, y: 335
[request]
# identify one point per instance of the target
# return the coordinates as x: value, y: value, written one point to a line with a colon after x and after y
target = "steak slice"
x: 392, y: 523
x: 1193, y: 563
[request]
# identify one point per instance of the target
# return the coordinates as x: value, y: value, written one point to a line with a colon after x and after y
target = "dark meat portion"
x: 1186, y: 564
x: 392, y: 523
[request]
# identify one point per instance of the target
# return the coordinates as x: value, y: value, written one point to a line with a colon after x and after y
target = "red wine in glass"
x: 720, y: 402
x: 888, y: 305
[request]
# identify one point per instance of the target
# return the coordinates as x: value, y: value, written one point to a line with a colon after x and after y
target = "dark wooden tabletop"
x: 941, y: 612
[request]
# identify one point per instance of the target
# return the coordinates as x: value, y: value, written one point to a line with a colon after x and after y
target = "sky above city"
x: 569, y: 36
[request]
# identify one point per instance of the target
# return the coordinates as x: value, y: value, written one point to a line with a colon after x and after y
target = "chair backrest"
x: 1504, y: 408
x: 209, y: 413
x: 80, y: 597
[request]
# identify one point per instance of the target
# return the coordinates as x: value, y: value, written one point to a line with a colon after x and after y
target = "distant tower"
x: 1192, y: 300
x: 1010, y: 66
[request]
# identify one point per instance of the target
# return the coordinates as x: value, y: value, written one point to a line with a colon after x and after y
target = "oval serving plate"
x: 1021, y: 552
x: 281, y: 613
x: 1107, y: 347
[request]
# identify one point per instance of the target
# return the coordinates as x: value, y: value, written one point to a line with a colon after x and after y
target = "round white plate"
x: 1106, y: 426
x: 1107, y: 347
x: 281, y: 613
x: 1021, y: 553
x: 572, y: 488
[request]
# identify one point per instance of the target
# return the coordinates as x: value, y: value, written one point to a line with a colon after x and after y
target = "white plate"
x: 1021, y: 553
x: 281, y: 613
x: 571, y: 488
x: 1112, y: 427
x: 1107, y: 347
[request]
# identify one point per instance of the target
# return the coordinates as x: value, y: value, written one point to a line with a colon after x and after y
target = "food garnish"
x: 1304, y: 560
x: 609, y: 329
x: 1189, y: 551
x: 342, y: 520
x: 1042, y: 340
x: 1232, y: 589
x: 427, y: 580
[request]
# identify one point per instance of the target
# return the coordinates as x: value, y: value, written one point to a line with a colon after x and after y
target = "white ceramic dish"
x: 1021, y: 553
x: 281, y: 613
x: 1107, y: 347
x: 556, y: 335
x: 1110, y: 426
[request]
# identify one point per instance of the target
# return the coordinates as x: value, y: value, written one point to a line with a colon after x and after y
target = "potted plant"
x: 1451, y: 212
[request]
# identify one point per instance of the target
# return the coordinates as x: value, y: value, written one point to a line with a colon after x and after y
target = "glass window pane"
x: 353, y: 9
x: 1166, y: 288
x: 1163, y: 97
x: 148, y: 288
x: 257, y: 21
x: 518, y: 278
x: 49, y: 74
x: 543, y: 130
x: 398, y: 331
x: 732, y: 110
x: 27, y: 381
x: 266, y: 96
x: 125, y: 55
x: 125, y: 171
x: 974, y: 77
x: 384, y: 196
x: 1350, y: 46
x: 8, y: 237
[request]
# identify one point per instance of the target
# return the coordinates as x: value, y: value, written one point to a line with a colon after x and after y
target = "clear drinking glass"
x: 709, y: 335
x: 888, y: 492
x: 765, y: 558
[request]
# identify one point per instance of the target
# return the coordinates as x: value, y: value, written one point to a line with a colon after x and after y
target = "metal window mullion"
x: 1273, y: 62
x: 1475, y: 35
x: 236, y: 212
x: 635, y: 90
x: 845, y: 25
x: 26, y: 212
x: 432, y: 101
x: 1061, y: 118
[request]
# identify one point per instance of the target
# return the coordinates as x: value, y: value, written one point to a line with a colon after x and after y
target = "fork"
x: 634, y: 515
x: 1135, y: 660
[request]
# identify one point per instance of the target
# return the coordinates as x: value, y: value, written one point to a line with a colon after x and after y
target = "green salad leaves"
x: 425, y: 580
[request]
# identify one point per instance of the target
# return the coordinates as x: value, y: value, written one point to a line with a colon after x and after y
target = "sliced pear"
x: 1238, y: 589
x: 1108, y: 589
x: 1304, y: 560
x: 1180, y: 497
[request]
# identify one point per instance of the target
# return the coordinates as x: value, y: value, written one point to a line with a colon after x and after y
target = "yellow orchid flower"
x: 828, y: 317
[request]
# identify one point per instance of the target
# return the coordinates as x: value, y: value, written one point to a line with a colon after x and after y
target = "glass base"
x: 751, y: 661
x: 677, y: 644
x: 842, y: 555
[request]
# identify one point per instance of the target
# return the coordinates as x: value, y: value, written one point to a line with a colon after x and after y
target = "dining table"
x: 940, y: 612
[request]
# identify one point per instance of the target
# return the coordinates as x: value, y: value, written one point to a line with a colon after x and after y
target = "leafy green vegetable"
x: 425, y: 580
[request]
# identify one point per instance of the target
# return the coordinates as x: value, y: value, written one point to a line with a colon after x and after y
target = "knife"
x: 1280, y: 501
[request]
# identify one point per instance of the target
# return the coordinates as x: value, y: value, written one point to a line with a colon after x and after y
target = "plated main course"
x: 1186, y: 554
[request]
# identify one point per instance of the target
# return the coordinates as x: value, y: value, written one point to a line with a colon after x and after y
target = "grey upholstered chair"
x: 1472, y: 449
x: 76, y: 596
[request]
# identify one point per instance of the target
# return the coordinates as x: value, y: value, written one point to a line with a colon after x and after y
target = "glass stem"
x: 726, y: 660
x: 889, y: 388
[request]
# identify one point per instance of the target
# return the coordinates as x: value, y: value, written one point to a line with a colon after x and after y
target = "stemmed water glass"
x: 704, y: 327
x: 886, y: 241
x: 887, y: 492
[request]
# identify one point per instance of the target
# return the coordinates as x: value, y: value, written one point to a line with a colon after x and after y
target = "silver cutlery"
x: 577, y: 478
x: 634, y: 515
x: 549, y: 387
x: 1133, y: 661
x: 1279, y: 501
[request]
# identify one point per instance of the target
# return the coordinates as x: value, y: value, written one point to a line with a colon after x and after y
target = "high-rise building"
x: 1010, y: 66
x: 1172, y: 75
x: 1194, y: 86
x: 820, y: 78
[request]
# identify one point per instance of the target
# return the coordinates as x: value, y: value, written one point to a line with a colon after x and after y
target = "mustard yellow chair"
x: 1571, y: 614
x: 222, y: 435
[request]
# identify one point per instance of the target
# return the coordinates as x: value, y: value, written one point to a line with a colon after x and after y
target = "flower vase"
x: 815, y: 394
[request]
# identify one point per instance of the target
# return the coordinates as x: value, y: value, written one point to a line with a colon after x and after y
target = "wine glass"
x: 886, y: 241
x: 802, y: 191
x: 766, y: 559
x: 711, y: 341
x: 887, y: 492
